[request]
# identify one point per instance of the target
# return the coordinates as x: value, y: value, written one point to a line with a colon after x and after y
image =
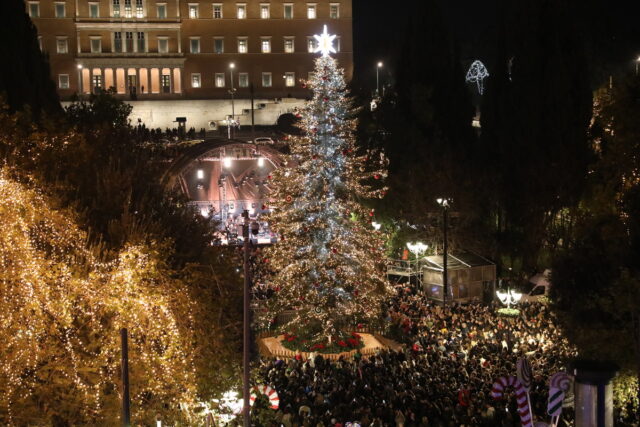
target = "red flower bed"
x: 340, y: 343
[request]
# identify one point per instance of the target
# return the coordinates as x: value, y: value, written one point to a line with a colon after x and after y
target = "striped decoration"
x: 274, y: 400
x: 524, y: 410
x: 524, y: 372
x: 560, y: 380
x: 556, y: 396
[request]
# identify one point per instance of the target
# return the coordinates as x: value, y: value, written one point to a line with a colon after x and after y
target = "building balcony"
x: 121, y: 20
x: 130, y: 55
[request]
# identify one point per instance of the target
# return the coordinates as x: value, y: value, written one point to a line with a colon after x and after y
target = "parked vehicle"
x: 539, y: 287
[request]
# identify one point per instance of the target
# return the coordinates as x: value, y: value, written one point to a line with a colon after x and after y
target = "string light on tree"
x: 328, y: 265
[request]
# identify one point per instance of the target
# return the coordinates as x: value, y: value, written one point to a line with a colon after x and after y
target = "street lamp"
x: 232, y: 91
x: 444, y: 204
x: 509, y: 297
x: 417, y: 248
x: 245, y: 317
x: 79, y: 78
x: 379, y: 65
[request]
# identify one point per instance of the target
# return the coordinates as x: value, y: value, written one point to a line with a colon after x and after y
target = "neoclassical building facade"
x: 163, y: 50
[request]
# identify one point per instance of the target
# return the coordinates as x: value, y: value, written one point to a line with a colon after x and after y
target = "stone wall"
x: 208, y: 113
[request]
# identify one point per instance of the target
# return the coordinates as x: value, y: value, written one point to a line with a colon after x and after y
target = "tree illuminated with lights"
x: 60, y: 313
x: 327, y: 265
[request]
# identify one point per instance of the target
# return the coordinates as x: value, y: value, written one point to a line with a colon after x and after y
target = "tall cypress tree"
x: 25, y: 79
x: 534, y: 123
x: 427, y: 119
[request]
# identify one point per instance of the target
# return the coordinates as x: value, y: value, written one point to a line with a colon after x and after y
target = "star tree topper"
x: 325, y: 43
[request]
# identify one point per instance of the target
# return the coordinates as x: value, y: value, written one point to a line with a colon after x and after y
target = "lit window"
x: 117, y: 42
x: 220, y: 80
x: 243, y: 80
x: 129, y: 41
x: 289, y: 46
x: 217, y: 11
x: 289, y: 79
x: 193, y: 11
x: 288, y: 11
x: 311, y: 11
x: 139, y: 9
x: 266, y: 79
x: 142, y: 46
x: 63, y: 81
x: 242, y: 45
x: 62, y: 45
x: 34, y: 9
x: 218, y: 45
x: 127, y: 9
x: 94, y: 10
x: 163, y: 45
x: 264, y: 11
x: 115, y: 10
x: 162, y: 11
x: 334, y: 11
x: 195, y: 80
x: 96, y: 45
x: 97, y: 83
x: 265, y: 45
x: 195, y: 45
x: 60, y: 10
x: 336, y: 44
x: 311, y: 44
x: 241, y: 11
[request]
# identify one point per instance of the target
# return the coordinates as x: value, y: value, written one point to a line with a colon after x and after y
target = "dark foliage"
x: 535, y: 116
x: 25, y: 78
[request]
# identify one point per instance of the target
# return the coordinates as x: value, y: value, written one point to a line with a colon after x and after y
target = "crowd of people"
x: 442, y: 377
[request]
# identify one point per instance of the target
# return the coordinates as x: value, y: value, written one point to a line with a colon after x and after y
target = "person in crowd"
x: 442, y: 378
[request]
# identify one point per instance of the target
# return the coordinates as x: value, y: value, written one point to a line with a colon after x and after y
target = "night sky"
x: 611, y: 30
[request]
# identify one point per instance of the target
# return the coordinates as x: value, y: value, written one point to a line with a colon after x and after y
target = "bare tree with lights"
x: 327, y: 265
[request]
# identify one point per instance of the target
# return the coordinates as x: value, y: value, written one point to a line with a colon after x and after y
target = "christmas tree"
x: 328, y: 263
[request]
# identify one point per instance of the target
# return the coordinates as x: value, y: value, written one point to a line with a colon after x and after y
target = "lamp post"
x: 417, y: 249
x: 444, y: 203
x: 80, y: 78
x: 379, y: 65
x: 246, y: 331
x: 509, y: 297
x: 232, y: 91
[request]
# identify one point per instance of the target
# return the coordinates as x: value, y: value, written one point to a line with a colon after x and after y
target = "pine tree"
x: 327, y: 265
x: 25, y: 79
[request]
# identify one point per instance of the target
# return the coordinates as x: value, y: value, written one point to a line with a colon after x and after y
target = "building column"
x: 182, y: 85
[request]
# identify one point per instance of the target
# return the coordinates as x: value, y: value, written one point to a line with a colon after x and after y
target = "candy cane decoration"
x: 524, y: 372
x: 524, y: 409
x: 559, y: 385
x: 274, y: 400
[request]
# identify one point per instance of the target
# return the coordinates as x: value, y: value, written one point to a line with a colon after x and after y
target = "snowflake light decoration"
x: 476, y: 74
x: 325, y: 43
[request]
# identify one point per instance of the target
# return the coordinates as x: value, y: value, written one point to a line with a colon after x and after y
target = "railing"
x: 400, y: 267
x: 284, y: 353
